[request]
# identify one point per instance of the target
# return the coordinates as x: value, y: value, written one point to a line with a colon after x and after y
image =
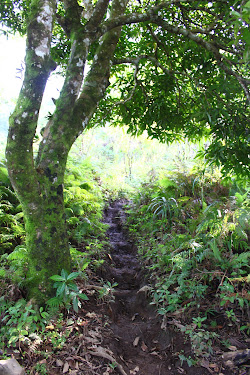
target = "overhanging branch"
x: 131, y: 94
x: 152, y: 16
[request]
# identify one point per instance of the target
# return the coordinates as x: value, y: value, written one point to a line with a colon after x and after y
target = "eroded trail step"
x: 138, y: 339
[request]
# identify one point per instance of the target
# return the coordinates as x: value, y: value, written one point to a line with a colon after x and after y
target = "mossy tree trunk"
x: 39, y: 181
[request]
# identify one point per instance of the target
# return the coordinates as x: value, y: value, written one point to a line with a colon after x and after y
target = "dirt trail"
x: 124, y: 330
x: 137, y: 339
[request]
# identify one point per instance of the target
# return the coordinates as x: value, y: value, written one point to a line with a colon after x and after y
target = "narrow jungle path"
x: 138, y: 338
x: 114, y: 333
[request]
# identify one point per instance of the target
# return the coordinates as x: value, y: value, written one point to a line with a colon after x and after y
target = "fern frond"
x: 242, y: 258
x: 20, y: 253
x: 55, y: 302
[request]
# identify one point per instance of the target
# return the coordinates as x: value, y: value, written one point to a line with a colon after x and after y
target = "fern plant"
x: 11, y: 220
x: 165, y: 208
x: 67, y: 292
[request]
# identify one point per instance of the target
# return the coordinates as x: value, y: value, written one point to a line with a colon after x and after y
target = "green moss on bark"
x: 47, y: 240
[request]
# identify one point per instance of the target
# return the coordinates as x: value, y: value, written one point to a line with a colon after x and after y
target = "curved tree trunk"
x: 39, y: 182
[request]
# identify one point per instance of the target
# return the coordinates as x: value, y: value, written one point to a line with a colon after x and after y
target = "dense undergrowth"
x: 20, y: 320
x: 192, y: 232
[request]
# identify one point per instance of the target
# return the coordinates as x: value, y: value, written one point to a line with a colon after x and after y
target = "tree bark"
x: 39, y: 191
x: 39, y: 182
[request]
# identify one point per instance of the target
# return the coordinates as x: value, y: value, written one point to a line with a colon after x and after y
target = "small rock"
x: 10, y: 367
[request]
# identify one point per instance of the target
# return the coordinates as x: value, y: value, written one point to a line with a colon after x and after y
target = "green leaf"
x: 83, y: 296
x: 75, y: 304
x: 73, y: 275
x: 162, y: 311
x: 85, y: 265
x: 246, y: 36
x: 72, y: 286
x: 57, y: 278
x: 23, y: 332
x: 61, y: 289
x: 13, y: 339
x: 64, y: 274
x: 57, y: 284
x: 241, y: 302
x: 45, y: 315
x: 235, y: 14
x: 215, y: 249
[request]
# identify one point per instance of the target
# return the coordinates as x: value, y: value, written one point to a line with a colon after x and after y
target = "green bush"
x: 195, y: 246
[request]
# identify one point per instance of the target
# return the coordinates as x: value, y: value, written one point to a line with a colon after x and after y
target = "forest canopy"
x: 180, y: 69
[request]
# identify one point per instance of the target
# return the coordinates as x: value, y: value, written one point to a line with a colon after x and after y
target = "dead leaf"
x: 156, y: 354
x: 145, y: 289
x: 82, y: 323
x: 177, y: 323
x: 232, y: 348
x: 134, y: 316
x: 59, y: 363
x: 94, y: 334
x: 43, y: 361
x: 91, y: 315
x: 68, y: 359
x: 144, y: 346
x: 92, y: 340
x: 177, y: 312
x: 136, y: 341
x: 65, y: 367
x: 204, y: 363
x: 50, y: 328
x: 180, y: 370
x: 213, y: 365
x: 133, y: 372
x: 164, y: 323
x: 71, y: 363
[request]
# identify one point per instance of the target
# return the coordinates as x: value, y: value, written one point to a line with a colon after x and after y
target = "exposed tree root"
x: 101, y: 352
x: 237, y: 357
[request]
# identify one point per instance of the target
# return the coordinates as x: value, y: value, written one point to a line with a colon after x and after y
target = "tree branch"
x: 97, y: 79
x: 97, y: 14
x: 130, y: 96
x: 221, y: 60
x: 135, y: 61
x: 73, y: 13
x: 151, y: 16
x: 23, y: 122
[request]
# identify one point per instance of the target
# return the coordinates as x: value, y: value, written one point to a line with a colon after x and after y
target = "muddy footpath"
x: 117, y: 331
x: 141, y: 341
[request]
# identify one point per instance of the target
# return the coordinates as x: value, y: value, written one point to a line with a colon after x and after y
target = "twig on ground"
x: 101, y: 352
